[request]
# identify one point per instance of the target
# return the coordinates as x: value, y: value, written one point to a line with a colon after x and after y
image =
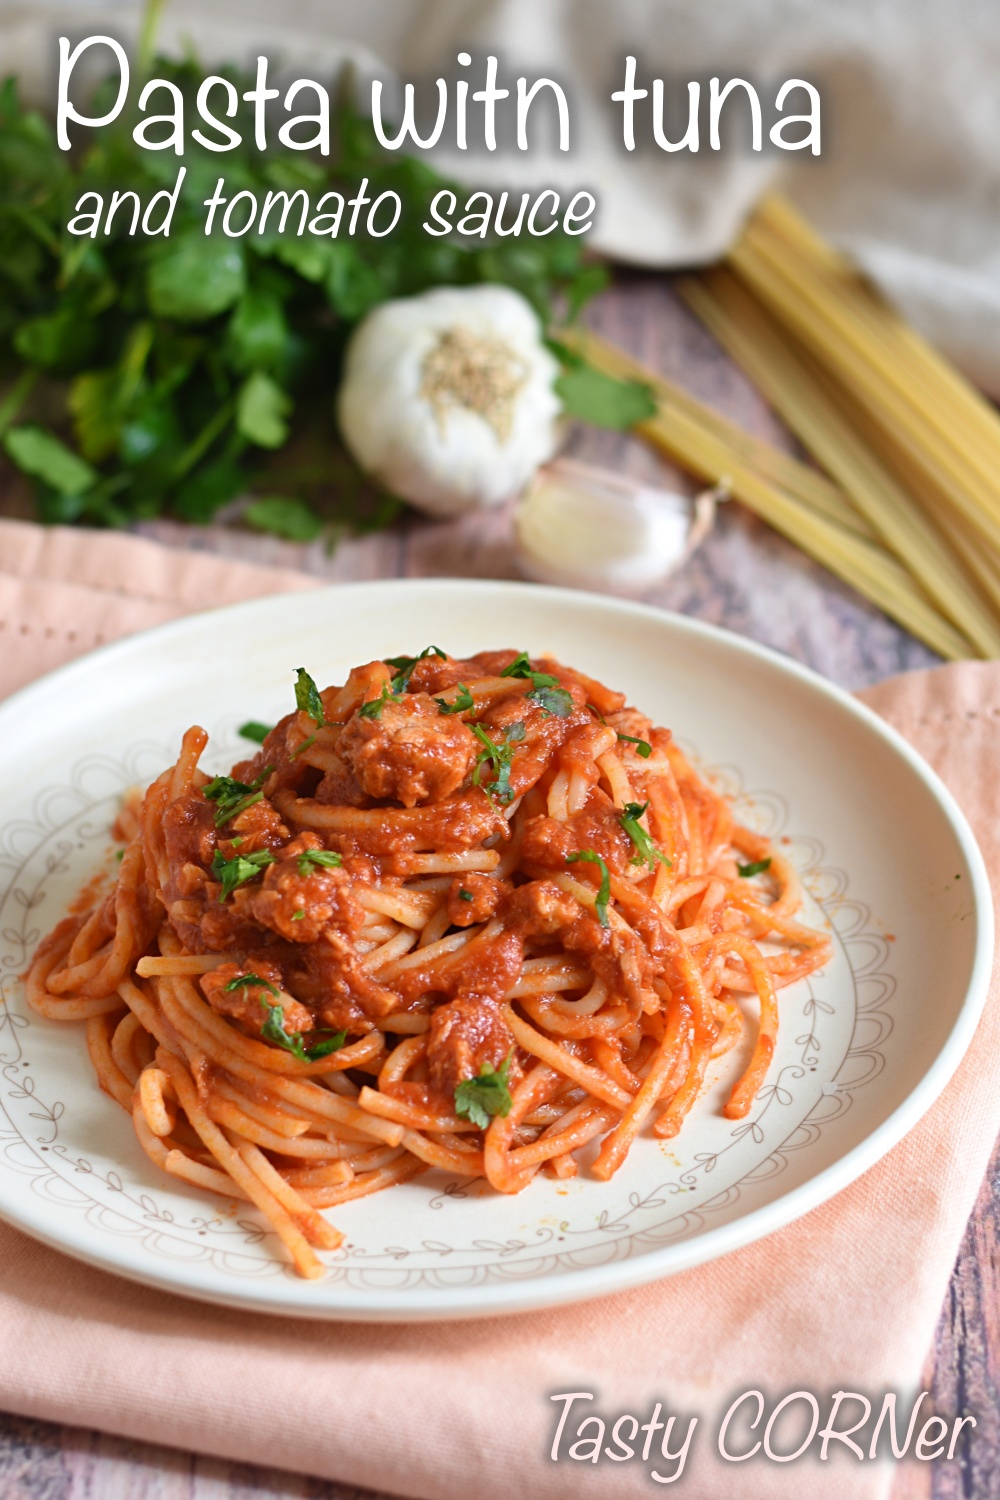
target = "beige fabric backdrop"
x: 909, y: 178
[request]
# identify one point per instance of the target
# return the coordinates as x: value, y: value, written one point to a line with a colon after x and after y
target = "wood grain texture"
x: 744, y: 577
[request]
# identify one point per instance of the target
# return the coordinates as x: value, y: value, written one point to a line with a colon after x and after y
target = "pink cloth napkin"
x: 63, y: 592
x: 846, y: 1298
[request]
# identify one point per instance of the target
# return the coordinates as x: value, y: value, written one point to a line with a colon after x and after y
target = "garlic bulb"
x: 447, y: 398
x: 587, y: 528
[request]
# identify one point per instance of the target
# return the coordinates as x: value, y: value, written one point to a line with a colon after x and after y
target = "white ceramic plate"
x: 886, y: 858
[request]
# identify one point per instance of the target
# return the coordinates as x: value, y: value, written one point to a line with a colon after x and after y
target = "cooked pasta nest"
x: 475, y: 914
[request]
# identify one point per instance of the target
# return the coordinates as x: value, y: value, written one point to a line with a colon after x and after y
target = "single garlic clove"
x: 588, y: 528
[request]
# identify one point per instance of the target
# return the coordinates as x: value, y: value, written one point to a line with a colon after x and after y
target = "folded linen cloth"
x: 845, y: 1298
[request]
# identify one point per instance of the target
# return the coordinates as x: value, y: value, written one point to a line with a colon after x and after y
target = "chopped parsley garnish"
x: 326, y: 858
x: 553, y: 700
x: 604, y: 893
x: 233, y: 797
x: 405, y: 664
x: 521, y: 667
x: 458, y: 705
x: 273, y: 1029
x: 310, y: 740
x: 648, y: 853
x: 254, y: 730
x: 298, y: 915
x: 498, y: 758
x: 307, y: 697
x: 545, y: 689
x: 756, y: 868
x: 234, y: 872
x: 479, y: 1099
x: 465, y: 895
x: 642, y: 747
x: 373, y: 708
x: 243, y: 981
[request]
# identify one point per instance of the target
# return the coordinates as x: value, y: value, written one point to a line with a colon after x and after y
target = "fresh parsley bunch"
x: 151, y: 375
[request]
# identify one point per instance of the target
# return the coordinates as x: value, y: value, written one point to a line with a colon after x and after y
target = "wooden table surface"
x: 748, y: 579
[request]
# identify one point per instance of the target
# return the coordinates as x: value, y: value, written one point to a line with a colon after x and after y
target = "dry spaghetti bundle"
x: 473, y: 914
x: 913, y: 447
x: 806, y: 506
x: 907, y: 506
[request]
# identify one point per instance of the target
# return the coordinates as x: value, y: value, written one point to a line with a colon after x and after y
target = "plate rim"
x: 585, y: 1283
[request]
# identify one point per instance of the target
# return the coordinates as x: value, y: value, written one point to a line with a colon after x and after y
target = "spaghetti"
x: 470, y: 914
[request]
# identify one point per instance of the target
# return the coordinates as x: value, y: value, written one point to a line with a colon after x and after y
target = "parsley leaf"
x: 604, y: 893
x: 498, y: 758
x: 254, y: 730
x: 326, y: 858
x: 196, y: 278
x: 405, y: 664
x: 333, y: 1043
x: 479, y: 1099
x: 373, y: 708
x: 262, y: 407
x: 286, y: 517
x: 307, y: 697
x: 243, y: 981
x: 273, y: 1030
x: 232, y: 796
x: 545, y: 689
x: 521, y: 667
x: 604, y: 400
x: 42, y: 455
x: 461, y: 703
x: 642, y: 747
x: 648, y: 853
x: 465, y: 895
x: 234, y: 872
x: 553, y: 700
x: 756, y: 868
